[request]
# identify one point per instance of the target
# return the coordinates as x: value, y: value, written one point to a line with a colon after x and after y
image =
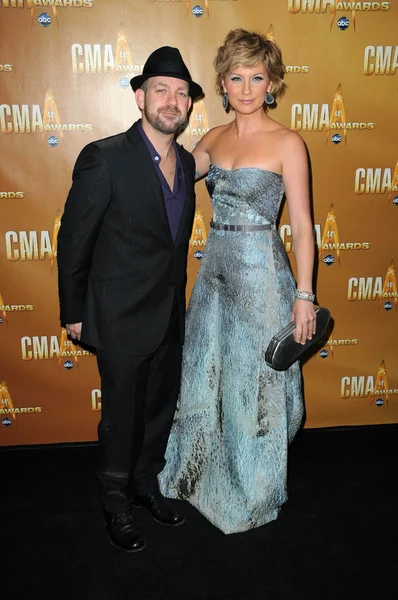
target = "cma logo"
x: 28, y: 245
x: 368, y: 288
x: 101, y: 58
x: 363, y: 386
x: 376, y: 180
x: 11, y: 195
x: 33, y: 245
x: 28, y: 118
x: 372, y: 288
x: 319, y: 117
x: 285, y: 233
x: 331, y: 344
x: 32, y: 4
x: 380, y: 60
x: 16, y: 307
x: 331, y: 6
x: 49, y: 347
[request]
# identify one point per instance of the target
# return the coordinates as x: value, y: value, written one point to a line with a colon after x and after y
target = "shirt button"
x: 156, y: 157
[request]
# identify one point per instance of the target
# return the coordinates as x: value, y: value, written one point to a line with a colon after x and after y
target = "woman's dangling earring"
x: 269, y: 99
x: 225, y: 102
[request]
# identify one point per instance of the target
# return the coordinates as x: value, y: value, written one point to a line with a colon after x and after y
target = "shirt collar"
x: 156, y: 158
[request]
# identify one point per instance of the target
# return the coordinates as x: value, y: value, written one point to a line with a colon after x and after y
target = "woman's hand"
x: 303, y: 314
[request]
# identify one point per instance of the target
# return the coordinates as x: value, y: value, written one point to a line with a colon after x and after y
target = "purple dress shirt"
x: 174, y: 199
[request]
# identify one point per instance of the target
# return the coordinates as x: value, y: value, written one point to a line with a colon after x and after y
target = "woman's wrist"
x: 305, y: 295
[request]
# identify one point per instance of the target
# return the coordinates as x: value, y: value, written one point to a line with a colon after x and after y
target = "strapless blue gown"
x: 227, y: 451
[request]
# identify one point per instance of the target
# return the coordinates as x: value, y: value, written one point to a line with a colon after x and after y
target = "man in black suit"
x: 122, y: 256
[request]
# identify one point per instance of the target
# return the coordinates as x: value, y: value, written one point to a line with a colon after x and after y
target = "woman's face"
x: 246, y: 88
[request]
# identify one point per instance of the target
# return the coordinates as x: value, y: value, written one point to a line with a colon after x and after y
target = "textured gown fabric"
x: 227, y: 451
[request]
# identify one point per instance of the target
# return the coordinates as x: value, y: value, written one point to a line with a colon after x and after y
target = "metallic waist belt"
x: 242, y: 228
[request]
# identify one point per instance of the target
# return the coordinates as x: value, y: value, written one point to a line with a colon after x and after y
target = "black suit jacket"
x: 118, y: 265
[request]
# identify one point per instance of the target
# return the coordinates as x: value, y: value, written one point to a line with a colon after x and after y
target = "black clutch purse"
x: 283, y: 350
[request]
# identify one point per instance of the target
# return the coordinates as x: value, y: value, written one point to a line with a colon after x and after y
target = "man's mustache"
x: 169, y: 110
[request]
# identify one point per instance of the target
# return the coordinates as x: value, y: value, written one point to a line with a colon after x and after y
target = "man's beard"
x: 163, y: 125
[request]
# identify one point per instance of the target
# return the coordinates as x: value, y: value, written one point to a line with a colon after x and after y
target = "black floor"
x: 336, y: 538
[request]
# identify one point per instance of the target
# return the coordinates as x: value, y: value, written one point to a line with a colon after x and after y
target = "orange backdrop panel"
x: 65, y: 67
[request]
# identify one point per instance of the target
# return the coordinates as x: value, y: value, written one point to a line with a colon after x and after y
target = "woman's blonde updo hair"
x: 243, y: 48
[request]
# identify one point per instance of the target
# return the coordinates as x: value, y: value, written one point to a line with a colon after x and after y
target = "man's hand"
x: 74, y: 330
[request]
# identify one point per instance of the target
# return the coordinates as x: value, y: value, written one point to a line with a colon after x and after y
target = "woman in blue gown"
x: 227, y: 452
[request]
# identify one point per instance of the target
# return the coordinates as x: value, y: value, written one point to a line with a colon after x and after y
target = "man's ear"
x: 140, y: 98
x: 189, y: 103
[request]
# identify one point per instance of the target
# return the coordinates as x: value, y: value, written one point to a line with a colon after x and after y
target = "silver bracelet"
x: 307, y: 296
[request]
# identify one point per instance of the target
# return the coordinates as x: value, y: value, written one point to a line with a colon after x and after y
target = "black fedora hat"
x: 168, y: 62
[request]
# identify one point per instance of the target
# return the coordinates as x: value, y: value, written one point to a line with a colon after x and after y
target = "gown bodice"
x: 244, y: 195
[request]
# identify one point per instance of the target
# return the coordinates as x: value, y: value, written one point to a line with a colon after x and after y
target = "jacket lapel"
x: 145, y: 172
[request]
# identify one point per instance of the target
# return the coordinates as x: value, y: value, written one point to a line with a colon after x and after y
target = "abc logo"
x: 387, y: 306
x: 324, y: 354
x: 44, y: 19
x: 53, y: 141
x: 197, y: 11
x: 379, y: 402
x: 343, y: 23
x: 198, y: 254
x: 336, y: 139
x: 328, y: 260
x: 124, y: 83
x: 6, y: 422
x: 68, y: 364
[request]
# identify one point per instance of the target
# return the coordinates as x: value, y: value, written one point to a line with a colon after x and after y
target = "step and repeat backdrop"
x: 65, y: 67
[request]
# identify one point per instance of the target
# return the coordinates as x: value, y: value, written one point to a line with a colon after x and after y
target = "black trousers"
x: 138, y: 398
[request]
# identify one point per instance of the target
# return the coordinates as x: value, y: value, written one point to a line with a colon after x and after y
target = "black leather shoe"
x: 121, y: 532
x: 160, y: 508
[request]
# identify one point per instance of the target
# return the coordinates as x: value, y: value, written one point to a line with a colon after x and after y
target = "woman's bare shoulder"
x: 287, y: 136
x: 215, y: 132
